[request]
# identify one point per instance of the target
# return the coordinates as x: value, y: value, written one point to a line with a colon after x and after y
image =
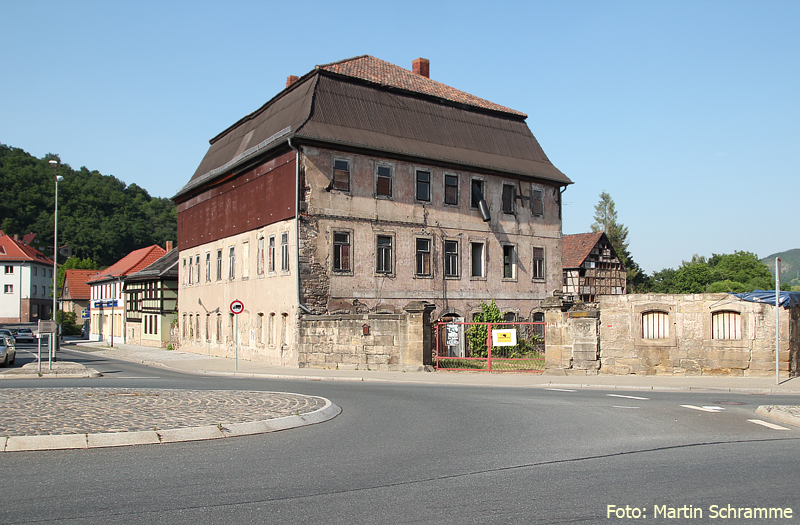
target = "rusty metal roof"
x: 367, y: 103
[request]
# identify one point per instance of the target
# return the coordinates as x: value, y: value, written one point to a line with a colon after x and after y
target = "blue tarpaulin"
x: 787, y: 300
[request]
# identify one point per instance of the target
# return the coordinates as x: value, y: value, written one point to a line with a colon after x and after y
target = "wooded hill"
x: 790, y: 266
x: 99, y: 216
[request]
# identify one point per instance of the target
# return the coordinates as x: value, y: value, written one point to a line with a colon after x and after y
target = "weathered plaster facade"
x: 404, y: 219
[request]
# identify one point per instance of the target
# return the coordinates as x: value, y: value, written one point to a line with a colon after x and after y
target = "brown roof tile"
x: 577, y: 247
x: 76, y: 284
x: 371, y: 69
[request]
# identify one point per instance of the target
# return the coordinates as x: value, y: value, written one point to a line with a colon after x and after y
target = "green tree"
x: 478, y: 334
x: 75, y: 263
x: 99, y: 216
x: 605, y: 220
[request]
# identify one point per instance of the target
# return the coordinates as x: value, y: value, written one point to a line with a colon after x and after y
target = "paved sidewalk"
x: 202, y: 364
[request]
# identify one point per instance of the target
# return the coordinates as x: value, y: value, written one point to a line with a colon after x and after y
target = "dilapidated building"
x: 360, y: 189
x: 591, y: 267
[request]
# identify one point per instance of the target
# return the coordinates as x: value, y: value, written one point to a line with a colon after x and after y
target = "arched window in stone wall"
x: 655, y: 325
x: 726, y: 325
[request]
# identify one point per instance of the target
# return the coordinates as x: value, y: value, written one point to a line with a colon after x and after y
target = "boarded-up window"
x: 450, y: 189
x: 384, y: 181
x: 655, y: 325
x: 537, y: 202
x: 341, y: 175
x: 726, y: 325
x: 509, y: 192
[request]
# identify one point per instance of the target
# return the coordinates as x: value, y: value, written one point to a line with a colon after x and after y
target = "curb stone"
x: 780, y: 413
x: 175, y: 435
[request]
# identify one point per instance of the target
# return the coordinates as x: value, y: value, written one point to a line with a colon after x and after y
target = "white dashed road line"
x: 618, y: 406
x: 704, y: 409
x: 773, y: 426
x: 560, y: 390
x: 627, y: 397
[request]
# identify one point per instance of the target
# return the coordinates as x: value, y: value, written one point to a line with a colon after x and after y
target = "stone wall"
x: 367, y: 341
x: 687, y: 347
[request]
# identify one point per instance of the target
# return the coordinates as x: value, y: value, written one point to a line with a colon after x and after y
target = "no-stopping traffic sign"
x: 237, y: 307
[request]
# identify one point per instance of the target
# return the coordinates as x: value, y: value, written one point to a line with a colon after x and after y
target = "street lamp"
x: 58, y: 178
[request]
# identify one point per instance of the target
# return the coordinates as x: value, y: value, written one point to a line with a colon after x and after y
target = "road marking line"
x: 628, y: 397
x: 703, y: 409
x: 714, y: 407
x: 560, y: 390
x: 618, y: 406
x: 773, y: 426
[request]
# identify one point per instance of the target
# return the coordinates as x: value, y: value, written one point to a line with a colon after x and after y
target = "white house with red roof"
x: 107, y: 306
x: 27, y: 280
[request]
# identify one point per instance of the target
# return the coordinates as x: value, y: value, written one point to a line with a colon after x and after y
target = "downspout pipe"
x: 297, y: 221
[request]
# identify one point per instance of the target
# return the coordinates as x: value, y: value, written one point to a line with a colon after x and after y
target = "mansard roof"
x: 369, y: 104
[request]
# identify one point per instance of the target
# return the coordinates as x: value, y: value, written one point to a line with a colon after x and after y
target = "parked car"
x: 4, y: 332
x: 8, y: 350
x: 24, y: 334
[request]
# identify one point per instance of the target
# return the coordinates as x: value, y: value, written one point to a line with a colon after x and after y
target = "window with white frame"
x: 208, y: 267
x: 231, y: 263
x: 8, y: 288
x: 219, y: 265
x: 451, y: 267
x: 271, y: 255
x: 384, y: 254
x: 383, y: 180
x: 285, y: 252
x: 197, y: 267
x: 655, y: 325
x: 423, y: 258
x: 726, y: 324
x: 477, y: 259
x: 9, y: 270
x: 538, y: 263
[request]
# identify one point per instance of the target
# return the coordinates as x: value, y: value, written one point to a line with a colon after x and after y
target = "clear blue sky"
x: 686, y: 112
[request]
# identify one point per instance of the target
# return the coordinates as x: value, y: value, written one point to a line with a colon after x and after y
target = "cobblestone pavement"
x: 61, y: 411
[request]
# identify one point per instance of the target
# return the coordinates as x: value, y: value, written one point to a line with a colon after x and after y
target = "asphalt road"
x: 402, y: 453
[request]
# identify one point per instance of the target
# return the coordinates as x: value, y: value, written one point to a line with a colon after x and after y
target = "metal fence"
x: 490, y: 347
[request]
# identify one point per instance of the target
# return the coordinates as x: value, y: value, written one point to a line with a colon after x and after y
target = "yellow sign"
x: 504, y: 337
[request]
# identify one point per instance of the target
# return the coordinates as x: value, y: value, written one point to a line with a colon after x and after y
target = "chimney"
x: 291, y: 79
x: 422, y: 66
x: 169, y: 246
